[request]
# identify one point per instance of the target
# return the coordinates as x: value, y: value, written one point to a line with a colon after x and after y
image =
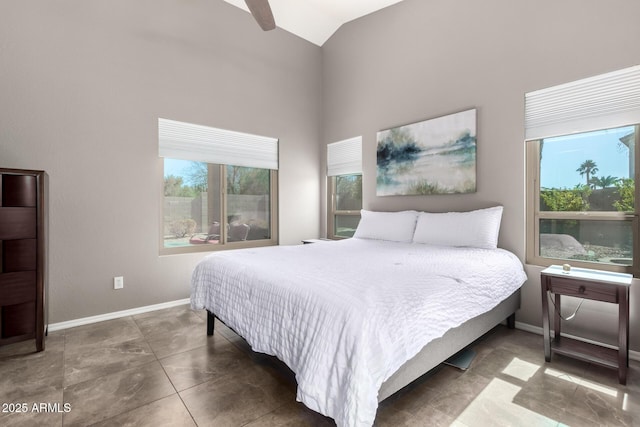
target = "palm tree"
x: 604, y: 181
x: 587, y: 168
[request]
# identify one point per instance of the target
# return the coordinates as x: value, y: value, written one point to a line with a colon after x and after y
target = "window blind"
x: 600, y: 102
x: 344, y: 157
x: 187, y: 141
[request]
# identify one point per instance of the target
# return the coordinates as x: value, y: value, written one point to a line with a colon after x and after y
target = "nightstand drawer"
x: 583, y: 289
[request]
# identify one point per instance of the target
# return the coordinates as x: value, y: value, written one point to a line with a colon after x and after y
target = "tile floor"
x: 161, y: 369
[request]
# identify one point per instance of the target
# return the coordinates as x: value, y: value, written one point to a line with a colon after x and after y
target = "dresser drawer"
x: 19, y: 190
x: 583, y: 289
x: 18, y: 255
x: 18, y: 223
x: 17, y: 288
x: 17, y: 319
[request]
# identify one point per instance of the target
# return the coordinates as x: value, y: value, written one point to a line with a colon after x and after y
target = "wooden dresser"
x: 23, y: 246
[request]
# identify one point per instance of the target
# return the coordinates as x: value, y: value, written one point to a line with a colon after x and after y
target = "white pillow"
x: 477, y: 229
x: 392, y: 226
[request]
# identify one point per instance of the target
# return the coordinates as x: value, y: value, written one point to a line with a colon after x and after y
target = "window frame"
x: 224, y: 244
x: 534, y: 215
x: 332, y: 204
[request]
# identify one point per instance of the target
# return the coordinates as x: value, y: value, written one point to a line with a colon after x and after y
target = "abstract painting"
x: 436, y: 156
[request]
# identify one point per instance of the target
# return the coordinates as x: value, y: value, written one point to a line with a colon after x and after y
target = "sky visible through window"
x: 176, y: 167
x: 562, y: 156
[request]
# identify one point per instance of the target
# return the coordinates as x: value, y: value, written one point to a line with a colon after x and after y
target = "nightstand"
x: 593, y: 285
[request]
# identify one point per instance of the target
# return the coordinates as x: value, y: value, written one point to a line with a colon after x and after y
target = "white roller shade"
x: 345, y: 157
x: 601, y: 102
x: 187, y: 141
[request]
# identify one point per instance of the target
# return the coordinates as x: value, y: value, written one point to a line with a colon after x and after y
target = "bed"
x: 358, y: 319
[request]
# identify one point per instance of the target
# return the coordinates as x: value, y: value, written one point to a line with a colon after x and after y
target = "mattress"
x: 345, y: 315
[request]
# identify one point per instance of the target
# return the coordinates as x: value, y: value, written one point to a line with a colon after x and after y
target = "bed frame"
x: 439, y: 350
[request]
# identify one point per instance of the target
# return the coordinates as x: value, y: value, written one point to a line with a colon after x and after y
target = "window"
x: 581, y: 173
x: 215, y: 205
x: 346, y: 203
x: 344, y: 170
x: 585, y: 197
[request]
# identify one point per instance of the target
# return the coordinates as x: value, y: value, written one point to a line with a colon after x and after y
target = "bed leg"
x: 210, y: 320
x: 511, y: 321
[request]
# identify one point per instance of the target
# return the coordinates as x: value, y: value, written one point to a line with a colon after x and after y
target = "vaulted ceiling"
x: 317, y: 20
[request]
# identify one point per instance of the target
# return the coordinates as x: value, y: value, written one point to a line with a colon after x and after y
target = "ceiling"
x: 317, y: 20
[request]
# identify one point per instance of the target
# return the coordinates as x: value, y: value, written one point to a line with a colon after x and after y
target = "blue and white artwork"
x: 436, y: 156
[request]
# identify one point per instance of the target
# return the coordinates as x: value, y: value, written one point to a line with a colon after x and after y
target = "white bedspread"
x: 345, y: 315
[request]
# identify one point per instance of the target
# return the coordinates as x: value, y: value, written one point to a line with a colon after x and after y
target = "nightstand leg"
x: 545, y: 322
x: 556, y: 319
x: 623, y: 334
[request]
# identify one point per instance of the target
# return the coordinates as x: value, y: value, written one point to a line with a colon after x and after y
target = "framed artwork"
x: 436, y: 156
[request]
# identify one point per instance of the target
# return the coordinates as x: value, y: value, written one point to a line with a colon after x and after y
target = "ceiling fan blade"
x: 261, y: 11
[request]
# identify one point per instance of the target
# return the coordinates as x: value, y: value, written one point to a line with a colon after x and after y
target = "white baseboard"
x: 633, y: 355
x: 115, y: 315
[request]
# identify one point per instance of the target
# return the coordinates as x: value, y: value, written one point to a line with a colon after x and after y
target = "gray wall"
x: 422, y: 59
x: 82, y: 84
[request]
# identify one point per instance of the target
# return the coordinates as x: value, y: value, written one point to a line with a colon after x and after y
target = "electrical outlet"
x: 118, y: 282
